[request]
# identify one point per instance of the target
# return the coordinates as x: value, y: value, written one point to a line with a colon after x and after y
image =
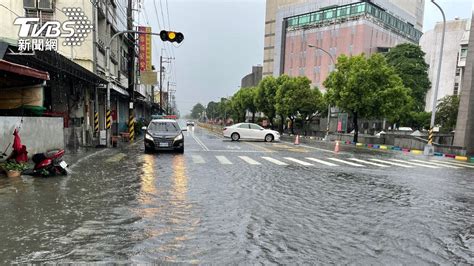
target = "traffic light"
x: 171, y: 36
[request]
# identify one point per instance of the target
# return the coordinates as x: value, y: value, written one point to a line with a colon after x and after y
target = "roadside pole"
x: 107, y: 74
x: 429, y: 148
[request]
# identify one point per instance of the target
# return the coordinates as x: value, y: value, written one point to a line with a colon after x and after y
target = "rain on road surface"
x: 243, y: 202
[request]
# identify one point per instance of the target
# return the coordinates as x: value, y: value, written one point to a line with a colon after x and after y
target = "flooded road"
x: 243, y: 203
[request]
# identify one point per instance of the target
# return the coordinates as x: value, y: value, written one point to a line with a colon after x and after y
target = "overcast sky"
x: 224, y: 39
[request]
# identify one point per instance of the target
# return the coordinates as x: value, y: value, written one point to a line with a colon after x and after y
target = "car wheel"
x: 148, y: 150
x: 269, y: 138
x: 235, y: 136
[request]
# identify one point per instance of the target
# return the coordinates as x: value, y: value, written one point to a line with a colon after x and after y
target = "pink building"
x: 351, y: 30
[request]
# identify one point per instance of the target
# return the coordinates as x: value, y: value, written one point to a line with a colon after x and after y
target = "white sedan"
x: 250, y: 131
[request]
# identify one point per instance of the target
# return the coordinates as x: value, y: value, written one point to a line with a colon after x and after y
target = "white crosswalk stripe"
x: 344, y: 162
x: 415, y: 164
x: 454, y: 163
x: 437, y: 164
x: 275, y: 161
x: 321, y: 161
x: 392, y: 163
x: 298, y: 161
x: 223, y: 159
x: 249, y: 160
x: 366, y: 162
x: 198, y: 159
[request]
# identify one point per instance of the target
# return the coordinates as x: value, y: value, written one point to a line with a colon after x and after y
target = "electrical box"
x: 103, y: 137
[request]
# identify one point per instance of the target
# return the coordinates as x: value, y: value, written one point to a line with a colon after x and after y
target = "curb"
x: 405, y: 150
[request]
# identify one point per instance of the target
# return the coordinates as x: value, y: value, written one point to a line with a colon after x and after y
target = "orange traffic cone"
x: 297, y: 140
x: 336, y: 149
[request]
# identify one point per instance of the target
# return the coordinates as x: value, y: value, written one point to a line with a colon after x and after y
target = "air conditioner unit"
x: 46, y: 4
x: 29, y: 4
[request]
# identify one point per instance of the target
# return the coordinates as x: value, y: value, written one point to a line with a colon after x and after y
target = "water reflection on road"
x: 164, y: 208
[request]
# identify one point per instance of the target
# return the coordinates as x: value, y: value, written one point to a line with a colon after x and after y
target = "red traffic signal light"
x: 171, y: 36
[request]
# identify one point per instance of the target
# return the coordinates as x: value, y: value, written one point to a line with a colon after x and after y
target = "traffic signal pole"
x: 179, y: 38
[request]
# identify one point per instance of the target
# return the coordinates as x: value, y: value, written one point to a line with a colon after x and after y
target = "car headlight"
x: 148, y: 137
x: 179, y: 137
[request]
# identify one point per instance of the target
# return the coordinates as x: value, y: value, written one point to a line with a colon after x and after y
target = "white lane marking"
x: 349, y: 163
x: 391, y: 163
x: 223, y: 159
x: 366, y: 162
x: 275, y: 161
x: 415, y: 164
x: 321, y: 161
x: 314, y: 148
x: 298, y: 161
x: 249, y: 160
x: 238, y: 151
x: 198, y: 159
x: 200, y: 143
x: 437, y: 164
x: 453, y: 163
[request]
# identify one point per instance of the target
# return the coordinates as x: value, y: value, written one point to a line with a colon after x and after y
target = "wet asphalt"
x: 224, y: 202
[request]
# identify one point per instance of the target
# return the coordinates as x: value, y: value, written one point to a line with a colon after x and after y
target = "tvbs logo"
x: 35, y: 35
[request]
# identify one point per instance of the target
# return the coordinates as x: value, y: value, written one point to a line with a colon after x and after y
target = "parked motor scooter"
x: 48, y: 164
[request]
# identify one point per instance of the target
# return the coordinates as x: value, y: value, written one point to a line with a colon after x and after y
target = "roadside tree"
x: 295, y: 97
x: 408, y: 61
x: 367, y: 88
x: 265, y: 98
x: 212, y: 111
x: 197, y: 111
x: 447, y: 112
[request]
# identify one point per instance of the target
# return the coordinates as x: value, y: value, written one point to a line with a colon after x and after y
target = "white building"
x: 454, y: 57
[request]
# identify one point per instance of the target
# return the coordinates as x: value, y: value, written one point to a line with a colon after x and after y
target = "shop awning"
x: 119, y: 90
x: 23, y: 70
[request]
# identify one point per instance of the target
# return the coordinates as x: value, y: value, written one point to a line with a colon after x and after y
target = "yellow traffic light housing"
x: 171, y: 36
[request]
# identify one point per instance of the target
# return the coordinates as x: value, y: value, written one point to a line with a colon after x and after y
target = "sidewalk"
x: 74, y: 156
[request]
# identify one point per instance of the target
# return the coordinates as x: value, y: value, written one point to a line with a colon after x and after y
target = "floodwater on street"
x: 242, y: 203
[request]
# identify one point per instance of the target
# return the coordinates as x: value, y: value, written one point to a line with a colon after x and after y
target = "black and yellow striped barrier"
x: 96, y: 122
x: 430, y: 136
x: 108, y: 120
x: 131, y: 126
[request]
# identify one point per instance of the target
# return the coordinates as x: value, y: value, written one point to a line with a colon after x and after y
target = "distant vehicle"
x: 163, y: 134
x: 250, y: 131
x: 405, y: 129
x: 189, y: 123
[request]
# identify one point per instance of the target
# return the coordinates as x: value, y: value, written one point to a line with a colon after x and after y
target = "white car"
x: 250, y: 131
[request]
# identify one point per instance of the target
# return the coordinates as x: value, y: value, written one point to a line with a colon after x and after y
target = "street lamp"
x: 429, y: 149
x: 326, y: 138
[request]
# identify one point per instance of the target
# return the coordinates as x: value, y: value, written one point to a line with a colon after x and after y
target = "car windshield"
x: 163, y: 127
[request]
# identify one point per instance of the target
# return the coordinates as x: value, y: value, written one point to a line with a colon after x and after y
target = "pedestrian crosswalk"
x: 382, y: 163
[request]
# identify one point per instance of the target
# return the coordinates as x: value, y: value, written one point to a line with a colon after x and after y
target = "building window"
x: 39, y: 4
x: 124, y: 61
x: 456, y: 88
x: 42, y: 9
x: 458, y: 71
x: 463, y: 54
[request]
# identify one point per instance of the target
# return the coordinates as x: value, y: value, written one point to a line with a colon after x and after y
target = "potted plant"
x: 14, y: 169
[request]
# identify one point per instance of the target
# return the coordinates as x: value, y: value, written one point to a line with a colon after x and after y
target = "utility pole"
x: 131, y: 71
x: 162, y: 60
x: 131, y: 51
x: 168, y: 98
x: 161, y: 82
